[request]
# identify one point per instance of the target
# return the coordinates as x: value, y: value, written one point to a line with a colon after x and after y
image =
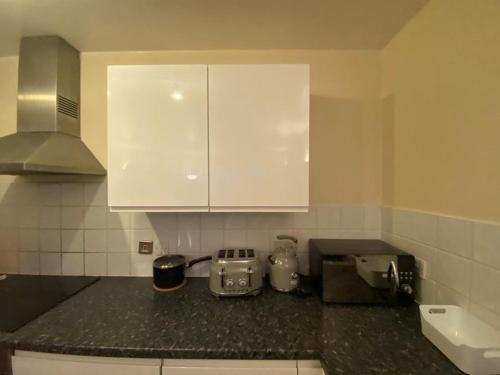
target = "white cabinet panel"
x: 27, y: 363
x: 308, y: 367
x: 228, y: 367
x: 259, y: 137
x: 157, y: 137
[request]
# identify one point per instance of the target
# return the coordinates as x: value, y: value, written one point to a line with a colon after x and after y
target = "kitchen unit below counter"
x: 30, y: 363
x: 124, y: 317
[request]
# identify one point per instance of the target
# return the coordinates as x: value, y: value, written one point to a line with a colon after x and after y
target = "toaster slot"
x: 242, y: 253
x: 222, y: 254
x: 250, y: 253
x: 249, y: 272
x: 230, y: 253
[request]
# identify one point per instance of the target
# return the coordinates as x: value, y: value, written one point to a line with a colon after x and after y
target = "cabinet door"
x: 157, y: 138
x: 259, y: 137
x: 27, y: 363
x: 307, y: 367
x: 228, y: 367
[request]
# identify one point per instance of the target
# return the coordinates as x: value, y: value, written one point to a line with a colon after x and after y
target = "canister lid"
x: 169, y: 261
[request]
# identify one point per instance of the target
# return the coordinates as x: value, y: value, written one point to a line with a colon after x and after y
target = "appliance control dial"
x: 407, y: 289
x: 243, y: 283
x: 229, y: 282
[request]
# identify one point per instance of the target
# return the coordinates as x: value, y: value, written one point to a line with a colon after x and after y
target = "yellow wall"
x: 345, y: 160
x: 441, y: 88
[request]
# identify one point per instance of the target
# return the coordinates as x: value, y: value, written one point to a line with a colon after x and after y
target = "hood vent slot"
x: 67, y: 106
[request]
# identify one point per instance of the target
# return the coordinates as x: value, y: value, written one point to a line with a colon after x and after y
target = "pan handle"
x: 198, y: 260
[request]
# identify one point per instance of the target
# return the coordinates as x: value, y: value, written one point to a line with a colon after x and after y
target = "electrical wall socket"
x: 145, y: 247
x: 421, y: 266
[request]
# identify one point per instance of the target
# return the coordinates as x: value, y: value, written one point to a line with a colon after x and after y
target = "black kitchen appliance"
x: 168, y: 271
x: 361, y: 272
x: 25, y: 297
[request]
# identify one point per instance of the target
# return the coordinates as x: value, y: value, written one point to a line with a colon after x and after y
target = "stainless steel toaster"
x: 236, y: 272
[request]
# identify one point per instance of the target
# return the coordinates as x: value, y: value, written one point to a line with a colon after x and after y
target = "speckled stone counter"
x: 125, y: 317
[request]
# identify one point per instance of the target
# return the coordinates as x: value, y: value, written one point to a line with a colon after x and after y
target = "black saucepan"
x: 168, y: 271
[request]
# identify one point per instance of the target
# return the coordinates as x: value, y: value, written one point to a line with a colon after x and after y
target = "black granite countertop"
x: 125, y: 317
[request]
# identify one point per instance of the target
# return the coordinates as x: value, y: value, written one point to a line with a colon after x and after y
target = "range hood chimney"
x: 48, y: 113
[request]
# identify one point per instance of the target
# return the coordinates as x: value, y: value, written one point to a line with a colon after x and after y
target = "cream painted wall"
x: 345, y: 112
x: 441, y: 83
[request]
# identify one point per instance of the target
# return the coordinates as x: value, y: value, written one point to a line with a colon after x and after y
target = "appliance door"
x: 357, y: 279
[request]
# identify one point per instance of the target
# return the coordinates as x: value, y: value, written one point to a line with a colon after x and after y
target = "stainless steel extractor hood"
x: 48, y: 113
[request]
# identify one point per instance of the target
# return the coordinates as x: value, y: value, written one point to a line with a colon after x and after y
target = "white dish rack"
x: 472, y: 345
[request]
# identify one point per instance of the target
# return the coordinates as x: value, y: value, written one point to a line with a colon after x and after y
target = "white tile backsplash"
x: 137, y: 235
x: 188, y: 241
x: 70, y: 230
x: 50, y: 217
x: 50, y: 263
x: 50, y: 240
x: 453, y: 271
x: 328, y: 217
x: 373, y: 218
x: 27, y: 194
x: 72, y: 264
x: 351, y: 217
x: 118, y: 264
x: 50, y: 194
x: 425, y: 228
x: 118, y: 241
x: 258, y: 239
x: 8, y: 217
x: 305, y: 220
x: 235, y: 238
x: 485, y: 283
x: 7, y: 194
x: 95, y: 194
x: 72, y: 194
x: 29, y: 263
x: 140, y: 265
x: 96, y: 217
x: 235, y: 220
x: 29, y: 240
x: 211, y: 240
x: 95, y: 241
x: 462, y: 256
x: 118, y: 220
x: 9, y: 262
x: 212, y: 221
x: 27, y: 217
x: 72, y: 217
x: 72, y: 241
x: 95, y: 264
x: 9, y: 240
x: 487, y: 244
x: 455, y: 235
x: 140, y: 220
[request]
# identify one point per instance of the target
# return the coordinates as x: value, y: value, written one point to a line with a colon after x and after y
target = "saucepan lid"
x: 169, y: 261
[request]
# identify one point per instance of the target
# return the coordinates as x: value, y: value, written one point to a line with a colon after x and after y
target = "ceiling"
x: 139, y: 25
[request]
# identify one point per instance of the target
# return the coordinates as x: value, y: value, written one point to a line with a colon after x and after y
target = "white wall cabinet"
x: 259, y: 137
x: 200, y: 138
x: 30, y: 363
x: 158, y: 138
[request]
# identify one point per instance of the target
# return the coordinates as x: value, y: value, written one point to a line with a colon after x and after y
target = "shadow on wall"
x: 346, y: 150
x: 388, y: 150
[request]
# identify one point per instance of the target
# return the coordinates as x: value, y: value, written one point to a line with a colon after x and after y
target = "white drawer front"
x: 46, y: 364
x: 229, y: 367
